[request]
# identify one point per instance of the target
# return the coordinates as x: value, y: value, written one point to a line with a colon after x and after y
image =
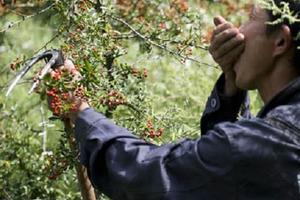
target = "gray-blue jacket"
x: 247, y: 159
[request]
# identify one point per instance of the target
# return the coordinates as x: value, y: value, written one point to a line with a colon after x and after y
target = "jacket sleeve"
x: 220, y: 108
x: 124, y: 167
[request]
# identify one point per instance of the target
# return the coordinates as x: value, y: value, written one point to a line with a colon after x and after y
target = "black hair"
x: 294, y: 6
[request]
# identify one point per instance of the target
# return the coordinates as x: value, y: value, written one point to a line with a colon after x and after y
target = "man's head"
x: 267, y: 48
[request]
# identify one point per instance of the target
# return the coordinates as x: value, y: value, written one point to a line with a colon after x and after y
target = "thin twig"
x: 47, y: 43
x: 19, y: 83
x: 17, y: 13
x: 13, y: 24
x: 129, y: 35
x: 179, y: 42
x: 24, y: 5
x: 7, y: 195
x: 44, y: 132
x: 158, y: 45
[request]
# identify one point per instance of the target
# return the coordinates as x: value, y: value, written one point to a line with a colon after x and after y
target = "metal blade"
x: 42, y: 74
x: 17, y: 79
x: 29, y: 64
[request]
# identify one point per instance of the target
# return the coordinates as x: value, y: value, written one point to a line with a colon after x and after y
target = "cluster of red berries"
x: 15, y: 63
x: 139, y: 73
x: 124, y: 2
x: 113, y: 99
x: 151, y: 132
x: 59, y: 102
x: 79, y: 93
x: 84, y: 5
x: 162, y: 26
x: 57, y: 74
x: 55, y: 101
x: 207, y: 36
x: 189, y: 51
x: 182, y: 5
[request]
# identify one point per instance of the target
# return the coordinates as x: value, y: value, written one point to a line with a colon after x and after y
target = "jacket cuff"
x: 221, y: 108
x: 220, y: 102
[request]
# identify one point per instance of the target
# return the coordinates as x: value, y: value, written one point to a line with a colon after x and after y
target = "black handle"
x: 55, y: 54
x: 60, y: 60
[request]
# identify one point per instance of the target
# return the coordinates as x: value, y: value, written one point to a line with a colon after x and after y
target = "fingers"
x: 228, y: 45
x: 231, y: 57
x: 236, y: 53
x: 219, y: 20
x: 222, y: 37
x: 68, y: 66
x: 222, y: 27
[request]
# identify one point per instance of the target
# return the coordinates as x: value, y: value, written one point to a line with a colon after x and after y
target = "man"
x: 256, y: 158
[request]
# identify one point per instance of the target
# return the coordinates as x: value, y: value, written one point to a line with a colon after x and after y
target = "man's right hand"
x: 227, y: 44
x: 79, y: 103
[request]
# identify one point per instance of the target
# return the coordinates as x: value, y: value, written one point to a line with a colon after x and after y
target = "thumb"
x: 219, y: 20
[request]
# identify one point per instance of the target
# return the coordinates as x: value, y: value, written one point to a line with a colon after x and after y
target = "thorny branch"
x: 184, y: 57
x: 135, y: 32
x: 13, y: 24
x: 23, y: 5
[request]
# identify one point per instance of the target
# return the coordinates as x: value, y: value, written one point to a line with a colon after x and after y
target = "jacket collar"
x: 289, y: 95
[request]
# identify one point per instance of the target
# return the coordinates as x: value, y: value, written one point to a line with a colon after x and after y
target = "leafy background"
x: 177, y: 92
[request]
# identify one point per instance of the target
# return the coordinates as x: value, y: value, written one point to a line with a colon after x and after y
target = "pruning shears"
x: 54, y: 58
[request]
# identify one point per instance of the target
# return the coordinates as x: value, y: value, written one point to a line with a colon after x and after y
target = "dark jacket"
x: 248, y: 159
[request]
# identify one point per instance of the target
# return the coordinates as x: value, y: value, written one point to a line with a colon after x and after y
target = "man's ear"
x: 283, y: 41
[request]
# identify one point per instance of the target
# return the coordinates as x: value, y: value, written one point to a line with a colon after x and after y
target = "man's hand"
x: 78, y: 104
x: 227, y: 44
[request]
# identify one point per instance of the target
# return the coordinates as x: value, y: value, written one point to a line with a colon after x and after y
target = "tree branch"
x: 13, y: 24
x: 141, y: 36
x: 44, y: 126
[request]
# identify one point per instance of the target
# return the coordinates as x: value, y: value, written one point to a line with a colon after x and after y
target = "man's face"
x: 256, y: 61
